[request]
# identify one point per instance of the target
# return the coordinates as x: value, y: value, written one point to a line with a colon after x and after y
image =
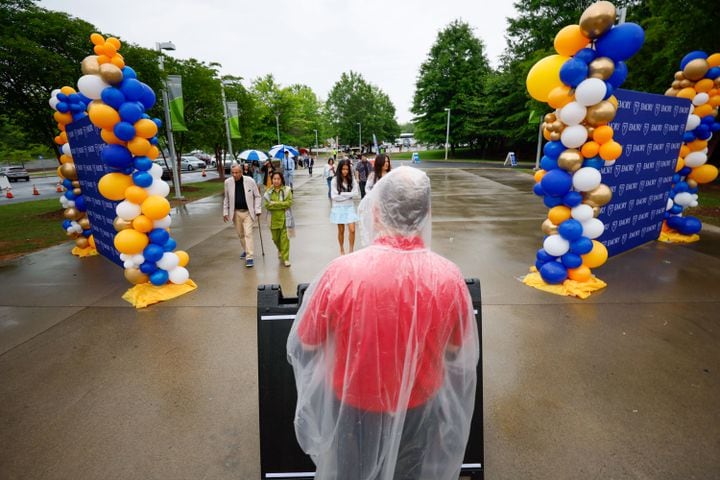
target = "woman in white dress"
x: 344, y: 190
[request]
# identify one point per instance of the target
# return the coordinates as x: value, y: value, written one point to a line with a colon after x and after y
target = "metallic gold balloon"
x: 596, y: 211
x: 679, y: 75
x: 696, y: 69
x: 550, y: 117
x: 597, y: 19
x: 676, y: 84
x: 71, y: 213
x: 590, y: 130
x: 686, y: 83
x: 135, y: 276
x: 68, y: 171
x: 82, y: 242
x: 76, y: 184
x: 111, y: 73
x: 599, y: 196
x: 77, y: 191
x: 121, y: 224
x: 570, y: 160
x: 601, y: 113
x: 549, y: 228
x: 602, y: 68
x: 692, y: 183
x: 73, y: 235
x: 671, y: 92
x: 90, y: 65
x: 554, y: 136
x: 84, y: 223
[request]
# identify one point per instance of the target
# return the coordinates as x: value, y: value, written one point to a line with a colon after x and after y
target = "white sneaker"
x: 287, y: 263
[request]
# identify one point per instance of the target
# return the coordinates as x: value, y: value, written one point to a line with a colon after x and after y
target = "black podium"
x: 280, y: 455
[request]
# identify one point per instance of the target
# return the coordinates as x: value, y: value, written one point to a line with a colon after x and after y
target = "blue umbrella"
x: 278, y: 151
x: 252, y: 155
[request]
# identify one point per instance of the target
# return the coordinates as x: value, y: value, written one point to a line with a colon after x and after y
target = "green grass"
x: 464, y: 154
x: 196, y: 191
x: 708, y: 209
x: 30, y: 226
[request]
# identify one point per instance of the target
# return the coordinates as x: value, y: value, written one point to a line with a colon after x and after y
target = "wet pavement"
x: 624, y: 384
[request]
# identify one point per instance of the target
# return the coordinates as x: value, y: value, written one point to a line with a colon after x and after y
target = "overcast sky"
x: 309, y: 42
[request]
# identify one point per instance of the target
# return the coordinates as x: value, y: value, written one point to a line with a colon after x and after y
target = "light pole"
x: 160, y: 46
x: 316, y: 143
x: 227, y: 122
x: 447, y: 134
x: 277, y: 125
x: 360, y: 137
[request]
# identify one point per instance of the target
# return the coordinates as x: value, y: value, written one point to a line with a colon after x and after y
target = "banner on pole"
x: 177, y: 111
x: 233, y: 119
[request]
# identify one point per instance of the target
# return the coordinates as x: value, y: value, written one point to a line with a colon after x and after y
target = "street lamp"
x: 447, y: 134
x: 227, y: 122
x: 160, y: 46
x: 360, y: 137
x: 316, y: 143
x: 277, y: 125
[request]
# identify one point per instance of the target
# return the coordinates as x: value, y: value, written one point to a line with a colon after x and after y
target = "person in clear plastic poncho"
x: 385, y: 348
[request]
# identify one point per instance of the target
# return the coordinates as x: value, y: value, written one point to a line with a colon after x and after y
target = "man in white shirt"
x: 288, y: 166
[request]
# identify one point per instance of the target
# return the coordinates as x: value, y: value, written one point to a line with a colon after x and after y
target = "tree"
x: 451, y: 77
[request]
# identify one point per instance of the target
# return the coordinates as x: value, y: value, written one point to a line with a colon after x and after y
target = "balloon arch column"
x: 115, y: 102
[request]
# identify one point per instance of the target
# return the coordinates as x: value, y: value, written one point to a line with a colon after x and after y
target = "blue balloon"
x: 676, y: 222
x: 573, y: 72
x: 170, y: 245
x: 570, y: 229
x: 146, y: 116
x: 143, y: 163
x: 713, y: 73
x: 551, y: 202
x: 553, y: 149
x: 676, y: 209
x: 571, y: 260
x: 124, y: 131
x: 142, y: 179
x: 609, y: 90
x: 62, y: 107
x: 77, y: 107
x: 581, y: 246
x: 556, y: 182
x: 113, y: 97
x: 85, y: 100
x: 70, y: 195
x: 116, y: 156
x: 148, y: 97
x: 688, y: 137
x: 537, y: 190
x: 553, y: 273
x: 153, y: 253
x: 619, y: 75
x: 148, y: 267
x: 707, y: 120
x: 67, y: 183
x: 692, y: 225
x: 80, y: 203
x: 676, y: 178
x: 594, y: 162
x: 87, y: 233
x: 132, y: 89
x: 62, y: 97
x: 159, y: 277
x: 158, y: 122
x: 587, y: 55
x: 694, y: 55
x: 544, y: 257
x: 548, y: 163
x: 130, y: 112
x: 681, y: 187
x: 154, y: 141
x: 129, y: 170
x: 572, y: 199
x: 685, y: 171
x: 159, y: 236
x: 66, y: 224
x: 715, y: 127
x: 703, y: 132
x: 621, y: 42
x: 128, y: 72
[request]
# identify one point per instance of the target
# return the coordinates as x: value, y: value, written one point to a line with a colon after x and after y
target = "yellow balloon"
x: 138, y: 146
x: 113, y: 185
x: 595, y: 257
x: 183, y: 256
x: 91, y: 241
x: 569, y: 40
x: 155, y: 207
x: 136, y: 194
x: 103, y: 116
x: 704, y: 173
x: 145, y: 128
x: 143, y: 224
x: 714, y: 60
x: 545, y: 76
x: 131, y: 242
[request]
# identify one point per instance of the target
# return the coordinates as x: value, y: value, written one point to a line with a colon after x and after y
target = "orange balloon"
x: 694, y: 146
x: 544, y: 76
x: 595, y: 257
x: 63, y: 137
x: 97, y: 39
x: 539, y: 175
x: 118, y: 61
x: 59, y: 172
x: 145, y: 128
x: 704, y: 85
x: 569, y: 40
x: 91, y: 241
x: 603, y: 134
x: 155, y: 207
x: 114, y: 41
x: 103, y: 59
x: 613, y: 99
x: 138, y: 146
x: 153, y: 153
x: 559, y: 214
x: 110, y: 49
x: 580, y: 274
x: 704, y: 173
x: 136, y: 194
x: 99, y: 49
x: 546, y: 134
x: 109, y: 137
x: 68, y: 90
x: 610, y: 151
x: 143, y: 224
x: 103, y: 116
x: 590, y: 149
x: 687, y: 92
x: 63, y: 118
x: 684, y: 150
x: 703, y: 110
x: 714, y: 60
x: 65, y: 159
x: 113, y: 185
x: 560, y: 96
x: 680, y: 164
x: 183, y: 257
x: 130, y: 241
x: 714, y: 100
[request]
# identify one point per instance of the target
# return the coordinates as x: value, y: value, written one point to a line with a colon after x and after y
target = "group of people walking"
x: 242, y: 203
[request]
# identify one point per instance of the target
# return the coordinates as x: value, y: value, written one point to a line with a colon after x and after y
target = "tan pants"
x: 244, y: 226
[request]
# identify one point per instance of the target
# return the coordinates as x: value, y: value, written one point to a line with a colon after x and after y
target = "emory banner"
x: 177, y: 109
x: 233, y: 119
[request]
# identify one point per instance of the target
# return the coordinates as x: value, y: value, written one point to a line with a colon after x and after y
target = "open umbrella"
x: 278, y: 151
x: 252, y: 155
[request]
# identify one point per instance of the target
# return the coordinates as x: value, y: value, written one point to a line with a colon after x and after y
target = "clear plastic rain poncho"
x: 385, y: 349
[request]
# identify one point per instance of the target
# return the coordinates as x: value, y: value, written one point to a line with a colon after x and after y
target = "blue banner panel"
x: 86, y: 145
x: 650, y: 128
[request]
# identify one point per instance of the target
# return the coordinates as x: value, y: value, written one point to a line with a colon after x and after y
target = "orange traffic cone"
x: 9, y: 193
x: 203, y: 173
x: 35, y: 190
x: 59, y: 188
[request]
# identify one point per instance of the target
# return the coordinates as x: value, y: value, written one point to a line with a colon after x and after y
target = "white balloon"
x: 593, y: 228
x: 124, y: 257
x: 66, y: 149
x: 574, y: 136
x: 168, y: 261
x: 127, y: 210
x: 128, y: 264
x: 64, y: 201
x: 156, y: 170
x: 178, y: 275
x: 586, y: 179
x: 610, y: 163
x: 582, y: 212
x: 695, y: 159
x: 53, y: 103
x: 670, y: 204
x: 701, y: 99
x: 138, y: 259
x: 555, y: 245
x: 158, y: 187
x: 692, y: 122
x: 163, y: 222
x: 590, y: 91
x: 92, y: 86
x: 55, y: 92
x: 70, y: 204
x: 684, y: 199
x: 573, y: 113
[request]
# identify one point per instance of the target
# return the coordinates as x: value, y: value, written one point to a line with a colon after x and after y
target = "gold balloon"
x: 84, y: 223
x: 597, y: 19
x: 90, y: 65
x: 671, y: 92
x: 599, y: 196
x: 77, y: 191
x: 550, y: 117
x: 676, y: 84
x: 68, y: 171
x: 73, y: 235
x: 76, y: 184
x: 71, y: 213
x: 696, y: 69
x: 549, y: 228
x: 596, y: 211
x: 111, y: 73
x: 570, y: 160
x: 602, y: 68
x: 601, y: 113
x: 554, y: 136
x: 686, y: 83
x: 121, y: 224
x: 590, y: 131
x: 691, y: 183
x: 82, y: 242
x: 135, y: 276
x: 717, y: 82
x: 679, y: 75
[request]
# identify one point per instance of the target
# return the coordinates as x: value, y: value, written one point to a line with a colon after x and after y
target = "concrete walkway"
x: 622, y: 385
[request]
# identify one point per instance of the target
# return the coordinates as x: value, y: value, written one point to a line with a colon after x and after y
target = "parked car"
x: 191, y: 163
x: 166, y: 171
x: 229, y: 162
x: 15, y: 173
